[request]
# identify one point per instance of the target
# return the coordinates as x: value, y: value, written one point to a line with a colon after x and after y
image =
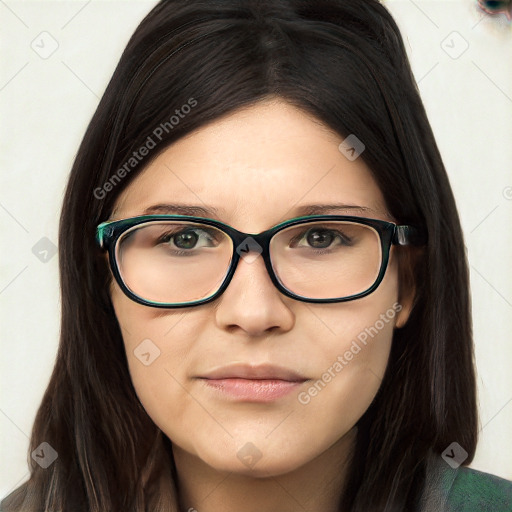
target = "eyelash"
x: 166, y: 237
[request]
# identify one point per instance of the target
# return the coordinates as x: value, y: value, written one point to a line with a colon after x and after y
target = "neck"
x: 316, y: 486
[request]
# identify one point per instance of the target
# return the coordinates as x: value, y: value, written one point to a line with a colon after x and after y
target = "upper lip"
x: 248, y: 371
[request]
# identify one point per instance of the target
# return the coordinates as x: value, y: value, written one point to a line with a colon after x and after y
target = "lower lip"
x: 256, y: 390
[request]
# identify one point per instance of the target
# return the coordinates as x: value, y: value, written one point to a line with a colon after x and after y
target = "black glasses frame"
x: 108, y: 234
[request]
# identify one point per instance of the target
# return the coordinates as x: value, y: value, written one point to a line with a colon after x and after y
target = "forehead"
x: 255, y: 168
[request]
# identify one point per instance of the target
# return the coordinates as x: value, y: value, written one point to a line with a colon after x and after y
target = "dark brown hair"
x: 343, y: 62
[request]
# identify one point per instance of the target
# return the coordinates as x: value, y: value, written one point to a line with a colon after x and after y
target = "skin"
x: 275, y: 155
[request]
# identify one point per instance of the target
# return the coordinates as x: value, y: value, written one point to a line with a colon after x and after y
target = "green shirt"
x: 464, y: 490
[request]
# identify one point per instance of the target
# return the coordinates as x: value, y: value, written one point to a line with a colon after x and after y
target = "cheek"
x: 157, y: 346
x: 351, y: 357
x: 350, y: 373
x: 349, y: 380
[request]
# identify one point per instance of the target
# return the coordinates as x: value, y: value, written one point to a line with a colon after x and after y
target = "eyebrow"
x: 212, y: 212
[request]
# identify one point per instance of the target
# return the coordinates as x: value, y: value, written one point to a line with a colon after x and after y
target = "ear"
x: 407, y: 258
x: 406, y: 302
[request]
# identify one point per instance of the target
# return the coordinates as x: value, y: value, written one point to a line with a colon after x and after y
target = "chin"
x: 248, y: 460
x: 264, y: 468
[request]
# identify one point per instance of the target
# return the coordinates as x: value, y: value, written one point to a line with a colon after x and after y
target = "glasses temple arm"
x: 409, y: 235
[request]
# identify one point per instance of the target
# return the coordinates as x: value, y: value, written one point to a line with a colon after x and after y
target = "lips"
x: 249, y: 383
x: 252, y: 372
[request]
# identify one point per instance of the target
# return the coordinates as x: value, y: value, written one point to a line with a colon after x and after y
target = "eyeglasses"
x: 173, y: 261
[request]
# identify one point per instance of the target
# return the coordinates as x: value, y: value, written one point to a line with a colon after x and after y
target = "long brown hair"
x: 345, y: 63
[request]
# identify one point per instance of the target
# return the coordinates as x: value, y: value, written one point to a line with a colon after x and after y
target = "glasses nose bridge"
x: 245, y: 243
x: 262, y: 239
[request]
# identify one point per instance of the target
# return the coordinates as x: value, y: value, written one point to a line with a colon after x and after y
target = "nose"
x: 251, y: 302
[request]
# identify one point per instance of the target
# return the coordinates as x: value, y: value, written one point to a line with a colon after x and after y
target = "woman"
x: 255, y: 246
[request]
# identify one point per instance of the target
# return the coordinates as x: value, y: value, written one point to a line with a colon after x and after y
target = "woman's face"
x: 257, y: 166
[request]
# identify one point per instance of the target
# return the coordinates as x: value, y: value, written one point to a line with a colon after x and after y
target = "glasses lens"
x: 173, y: 261
x: 326, y: 260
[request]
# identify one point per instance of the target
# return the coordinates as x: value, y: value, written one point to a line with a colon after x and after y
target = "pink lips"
x: 262, y: 383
